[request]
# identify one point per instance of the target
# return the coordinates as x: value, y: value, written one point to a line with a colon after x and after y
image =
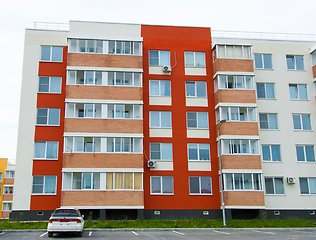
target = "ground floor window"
x: 200, y: 185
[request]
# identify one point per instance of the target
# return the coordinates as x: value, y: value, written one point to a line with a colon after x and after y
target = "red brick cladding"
x: 8, y: 181
x: 102, y: 160
x: 102, y: 198
x: 104, y: 92
x: 104, y: 60
x: 103, y: 125
x: 239, y: 128
x: 7, y: 197
x: 235, y: 96
x: 233, y: 65
x: 314, y: 71
x: 5, y: 214
x: 244, y: 198
x: 236, y: 161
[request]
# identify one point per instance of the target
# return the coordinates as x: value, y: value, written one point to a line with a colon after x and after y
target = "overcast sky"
x: 286, y: 16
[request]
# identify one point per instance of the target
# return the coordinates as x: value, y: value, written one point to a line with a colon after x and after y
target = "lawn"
x: 191, y: 223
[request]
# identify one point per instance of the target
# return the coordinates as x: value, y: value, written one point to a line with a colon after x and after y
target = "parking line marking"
x: 264, y: 232
x: 90, y: 233
x: 43, y: 234
x: 221, y: 232
x: 135, y: 233
x: 2, y: 233
x: 301, y: 231
x: 179, y: 233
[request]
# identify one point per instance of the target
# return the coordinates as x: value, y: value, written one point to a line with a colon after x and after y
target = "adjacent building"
x: 123, y: 120
x: 6, y: 187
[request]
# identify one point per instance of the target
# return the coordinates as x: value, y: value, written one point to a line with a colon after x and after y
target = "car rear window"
x: 66, y: 213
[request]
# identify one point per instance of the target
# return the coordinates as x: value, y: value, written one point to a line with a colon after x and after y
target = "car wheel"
x: 79, y: 234
x: 50, y: 234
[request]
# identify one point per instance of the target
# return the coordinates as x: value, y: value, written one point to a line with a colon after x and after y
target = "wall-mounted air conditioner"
x: 166, y: 68
x: 151, y: 164
x: 290, y: 180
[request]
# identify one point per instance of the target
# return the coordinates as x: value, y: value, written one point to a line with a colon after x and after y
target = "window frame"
x: 200, y: 184
x: 161, y: 185
x: 265, y: 91
x: 48, y: 113
x: 123, y: 42
x: 220, y: 115
x: 216, y: 52
x: 274, y: 186
x: 197, y: 120
x: 305, y: 153
x: 296, y: 85
x: 301, y: 122
x: 49, y: 84
x: 271, y: 152
x: 159, y: 88
x: 195, y: 89
x: 4, y: 208
x: 51, y: 54
x: 288, y: 56
x: 308, y: 185
x: 262, y: 60
x: 159, y: 119
x: 220, y: 77
x: 198, y: 149
x: 231, y: 146
x: 194, y: 59
x: 159, y: 57
x: 160, y: 151
x: 43, y: 190
x: 243, y: 181
x: 268, y: 121
x: 45, y: 152
x: 9, y: 174
x: 6, y: 190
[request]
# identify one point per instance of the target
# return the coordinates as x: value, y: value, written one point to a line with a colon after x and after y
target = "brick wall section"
x: 8, y: 181
x: 235, y: 96
x: 5, y: 214
x: 104, y: 92
x: 241, y: 161
x: 314, y: 71
x: 233, y: 65
x: 103, y: 125
x: 102, y: 198
x: 99, y: 160
x: 104, y: 60
x: 239, y: 128
x: 7, y: 197
x: 244, y: 198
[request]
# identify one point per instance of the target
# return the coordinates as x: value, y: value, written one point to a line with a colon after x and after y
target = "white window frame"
x: 252, y: 181
x: 86, y: 45
x: 297, y: 91
x: 159, y: 95
x: 43, y: 190
x: 159, y: 119
x: 159, y: 57
x: 132, y: 47
x: 47, y: 117
x: 195, y: 89
x: 124, y: 74
x: 223, y: 117
x: 301, y: 122
x: 45, y: 158
x: 200, y: 179
x: 161, y: 151
x: 9, y: 174
x: 51, y: 54
x: 161, y: 185
x: 308, y: 185
x: 265, y: 90
x: 269, y: 121
x: 198, y: 152
x: 262, y: 59
x: 295, y: 64
x: 234, y: 46
x: 197, y: 121
x: 194, y: 60
x: 6, y: 206
x: 49, y: 85
x: 6, y: 189
x: 305, y: 155
x: 240, y: 144
x: 270, y: 150
x: 274, y: 186
x: 218, y: 84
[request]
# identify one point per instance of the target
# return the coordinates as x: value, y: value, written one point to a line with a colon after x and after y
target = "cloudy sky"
x: 285, y: 16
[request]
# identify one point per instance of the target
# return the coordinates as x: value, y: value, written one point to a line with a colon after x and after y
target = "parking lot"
x: 164, y: 234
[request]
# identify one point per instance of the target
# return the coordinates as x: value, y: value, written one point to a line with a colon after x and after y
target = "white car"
x: 65, y: 220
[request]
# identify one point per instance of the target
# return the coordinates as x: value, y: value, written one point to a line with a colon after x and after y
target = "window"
x: 159, y: 88
x: 48, y: 116
x: 124, y: 111
x: 161, y: 185
x: 159, y: 58
x: 271, y: 153
x: 268, y: 121
x: 8, y: 190
x: 239, y: 114
x: 302, y: 122
x: 124, y: 78
x: 195, y: 89
x: 197, y: 120
x: 295, y: 62
x: 313, y: 58
x: 102, y: 181
x: 159, y: 119
x: 51, y: 54
x: 242, y: 181
x: 194, y: 59
x: 49, y: 85
x: 85, y: 46
x: 98, y: 145
x: 44, y: 185
x: 199, y: 151
x: 298, y: 91
x: 305, y: 153
x: 125, y: 47
x: 240, y: 146
x: 234, y: 82
x: 161, y: 151
x: 200, y: 185
x: 6, y: 206
x: 84, y: 78
x: 232, y: 51
x: 265, y: 90
x: 46, y: 150
x: 263, y: 61
x: 274, y: 185
x: 8, y: 174
x: 308, y: 185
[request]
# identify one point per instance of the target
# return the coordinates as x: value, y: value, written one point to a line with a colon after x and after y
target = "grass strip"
x: 190, y: 223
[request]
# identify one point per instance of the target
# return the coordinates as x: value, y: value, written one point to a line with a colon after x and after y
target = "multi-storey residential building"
x: 6, y: 187
x: 123, y: 120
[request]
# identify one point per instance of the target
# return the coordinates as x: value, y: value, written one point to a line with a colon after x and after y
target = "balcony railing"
x: 51, y: 26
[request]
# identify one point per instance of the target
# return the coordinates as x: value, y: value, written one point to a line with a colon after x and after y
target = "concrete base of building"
x: 31, y: 215
x: 182, y: 214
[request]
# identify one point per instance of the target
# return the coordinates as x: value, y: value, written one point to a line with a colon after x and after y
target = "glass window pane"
x: 40, y: 149
x: 155, y: 184
x: 221, y: 51
x: 238, y: 52
x: 273, y: 121
x: 270, y: 90
x: 167, y: 184
x: 50, y: 184
x: 53, y: 116
x: 154, y: 88
x: 55, y: 85
x: 164, y: 58
x: 99, y: 46
x: 247, y: 181
x: 267, y: 59
x: 257, y: 181
x: 201, y: 89
x: 310, y: 155
x: 67, y: 181
x: 312, y: 185
x: 194, y: 185
x: 306, y: 119
x: 261, y: 90
x: 202, y: 120
x: 263, y: 121
x: 190, y: 89
x: 193, y: 151
x: 293, y: 91
x: 302, y: 89
x: 229, y: 181
x: 304, y: 186
x: 153, y: 57
x: 189, y: 59
x: 119, y: 181
x: 42, y: 116
x: 86, y: 180
x: 199, y: 59
x: 300, y: 153
x: 137, y: 47
x: 128, y: 180
x: 234, y: 116
x: 76, y: 180
x: 266, y: 153
x: 96, y: 180
x: 276, y: 155
x: 238, y: 181
x: 165, y: 88
x: 297, y: 121
x: 154, y: 120
x: 155, y: 151
x: 279, y: 186
x: 112, y: 47
x: 45, y: 53
x: 269, y: 185
x: 119, y: 47
x: 82, y: 45
x: 245, y: 146
x: 191, y: 120
x: 206, y: 187
x: 43, y: 84
x: 52, y: 148
x: 109, y: 180
x: 299, y: 62
x: 57, y: 54
x: 254, y: 146
x: 204, y: 151
x: 166, y: 119
x: 138, y: 181
x: 290, y: 62
x: 166, y: 151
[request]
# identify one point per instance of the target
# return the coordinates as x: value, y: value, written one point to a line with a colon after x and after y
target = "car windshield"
x: 66, y: 213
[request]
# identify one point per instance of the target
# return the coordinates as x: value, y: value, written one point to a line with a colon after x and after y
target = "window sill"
x: 271, y: 69
x: 50, y: 61
x: 299, y: 100
x: 233, y: 58
x: 300, y: 130
x: 95, y: 118
x: 46, y: 159
x: 162, y: 194
x: 266, y: 99
x: 266, y: 161
x: 43, y: 125
x: 103, y: 190
x: 243, y: 190
x: 49, y: 92
x: 234, y: 89
x: 305, y: 162
x: 99, y: 153
x: 201, y: 194
x: 303, y: 70
x: 199, y: 160
x: 195, y: 66
x: 269, y: 129
x: 43, y: 194
x: 246, y: 154
x: 280, y: 195
x: 160, y: 160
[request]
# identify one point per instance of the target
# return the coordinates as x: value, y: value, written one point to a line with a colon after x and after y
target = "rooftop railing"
x: 263, y: 35
x: 51, y: 26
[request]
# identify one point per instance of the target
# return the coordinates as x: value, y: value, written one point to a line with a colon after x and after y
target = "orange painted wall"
x: 46, y: 133
x: 178, y: 40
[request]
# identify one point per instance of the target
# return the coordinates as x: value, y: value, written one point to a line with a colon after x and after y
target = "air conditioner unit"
x: 166, y: 68
x: 290, y: 180
x: 151, y: 164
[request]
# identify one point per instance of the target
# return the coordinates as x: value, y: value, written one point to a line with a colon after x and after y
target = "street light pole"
x: 221, y: 173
